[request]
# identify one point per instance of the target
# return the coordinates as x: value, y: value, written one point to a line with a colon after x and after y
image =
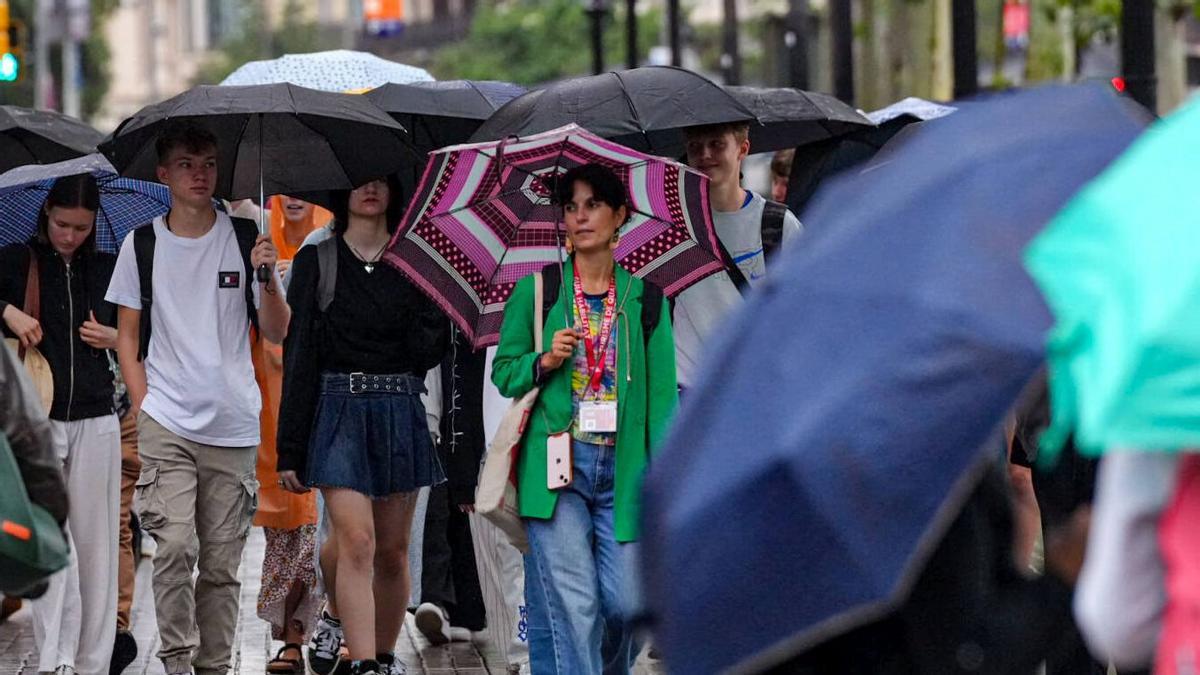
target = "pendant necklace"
x: 368, y: 265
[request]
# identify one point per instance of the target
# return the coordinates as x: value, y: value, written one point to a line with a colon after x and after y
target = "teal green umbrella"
x: 1120, y: 269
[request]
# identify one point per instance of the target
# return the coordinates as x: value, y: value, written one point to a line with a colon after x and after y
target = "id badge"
x: 560, y: 470
x: 598, y: 417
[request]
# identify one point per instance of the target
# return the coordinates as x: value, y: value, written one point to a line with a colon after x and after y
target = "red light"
x: 1118, y: 83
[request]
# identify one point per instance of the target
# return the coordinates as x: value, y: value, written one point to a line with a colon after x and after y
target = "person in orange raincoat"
x: 288, y: 599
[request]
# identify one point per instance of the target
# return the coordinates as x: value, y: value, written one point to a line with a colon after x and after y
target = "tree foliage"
x: 533, y: 41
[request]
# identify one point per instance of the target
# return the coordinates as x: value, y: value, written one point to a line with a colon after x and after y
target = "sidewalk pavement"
x: 252, y: 647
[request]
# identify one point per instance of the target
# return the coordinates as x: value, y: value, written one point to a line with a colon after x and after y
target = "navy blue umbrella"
x: 845, y: 412
x: 125, y: 203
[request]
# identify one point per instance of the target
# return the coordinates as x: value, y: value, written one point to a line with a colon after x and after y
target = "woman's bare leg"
x: 354, y: 528
x: 393, y: 524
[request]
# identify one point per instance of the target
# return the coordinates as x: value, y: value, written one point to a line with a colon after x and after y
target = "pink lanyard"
x: 595, y: 359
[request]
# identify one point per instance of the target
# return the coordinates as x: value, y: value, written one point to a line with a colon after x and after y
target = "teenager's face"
x: 591, y: 224
x: 68, y: 228
x: 717, y: 155
x: 779, y: 186
x: 296, y: 210
x: 191, y: 176
x: 370, y: 200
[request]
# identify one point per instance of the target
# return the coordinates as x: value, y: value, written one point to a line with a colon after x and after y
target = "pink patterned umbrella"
x: 482, y: 219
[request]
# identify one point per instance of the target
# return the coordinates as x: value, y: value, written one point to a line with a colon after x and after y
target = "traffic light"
x: 11, y: 42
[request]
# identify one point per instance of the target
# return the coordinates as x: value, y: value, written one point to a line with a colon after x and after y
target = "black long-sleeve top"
x: 378, y: 323
x: 83, y: 380
x: 462, y: 438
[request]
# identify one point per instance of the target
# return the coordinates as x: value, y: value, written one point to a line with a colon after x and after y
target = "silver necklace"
x: 368, y: 265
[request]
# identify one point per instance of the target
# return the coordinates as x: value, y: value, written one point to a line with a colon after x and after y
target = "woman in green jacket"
x: 607, y: 393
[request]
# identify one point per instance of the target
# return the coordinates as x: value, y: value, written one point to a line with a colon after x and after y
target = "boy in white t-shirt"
x: 193, y: 390
x: 741, y: 218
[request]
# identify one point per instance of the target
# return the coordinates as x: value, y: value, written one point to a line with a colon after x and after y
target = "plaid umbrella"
x: 125, y: 203
x: 482, y: 219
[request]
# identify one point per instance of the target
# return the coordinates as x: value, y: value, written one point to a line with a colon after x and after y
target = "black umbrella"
x: 643, y: 108
x: 442, y: 113
x: 42, y: 137
x: 816, y: 162
x: 272, y: 139
x: 790, y: 117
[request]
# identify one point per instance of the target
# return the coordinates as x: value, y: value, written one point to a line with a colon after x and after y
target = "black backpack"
x: 773, y: 216
x: 144, y: 239
x: 652, y: 297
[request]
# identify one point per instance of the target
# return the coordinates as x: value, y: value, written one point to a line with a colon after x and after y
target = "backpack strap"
x: 246, y: 232
x: 551, y: 285
x: 327, y: 264
x: 143, y: 250
x: 773, y: 216
x: 652, y: 298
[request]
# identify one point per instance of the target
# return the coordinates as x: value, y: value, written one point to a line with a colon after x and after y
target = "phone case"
x: 559, y: 468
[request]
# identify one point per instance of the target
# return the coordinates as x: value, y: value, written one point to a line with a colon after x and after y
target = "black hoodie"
x: 83, y: 380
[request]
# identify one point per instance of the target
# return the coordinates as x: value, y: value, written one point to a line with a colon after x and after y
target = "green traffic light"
x: 10, y: 67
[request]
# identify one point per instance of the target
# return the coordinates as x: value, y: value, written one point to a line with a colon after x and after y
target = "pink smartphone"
x: 559, y: 471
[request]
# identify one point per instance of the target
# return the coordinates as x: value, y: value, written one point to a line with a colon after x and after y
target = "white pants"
x: 75, y: 622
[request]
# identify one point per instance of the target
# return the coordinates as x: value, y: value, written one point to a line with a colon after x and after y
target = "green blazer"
x: 646, y: 394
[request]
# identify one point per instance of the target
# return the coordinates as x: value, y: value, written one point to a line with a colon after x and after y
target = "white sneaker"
x: 459, y: 634
x: 433, y: 623
x: 149, y: 546
x: 324, y: 647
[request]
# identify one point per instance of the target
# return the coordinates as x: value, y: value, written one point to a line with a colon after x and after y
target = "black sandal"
x: 284, y: 666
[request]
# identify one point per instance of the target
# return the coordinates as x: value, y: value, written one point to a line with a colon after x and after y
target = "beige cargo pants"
x: 197, y: 502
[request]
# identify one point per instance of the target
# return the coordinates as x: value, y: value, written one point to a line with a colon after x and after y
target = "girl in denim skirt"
x: 352, y: 424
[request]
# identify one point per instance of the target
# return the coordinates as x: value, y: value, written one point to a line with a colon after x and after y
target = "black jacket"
x: 83, y: 380
x: 462, y: 439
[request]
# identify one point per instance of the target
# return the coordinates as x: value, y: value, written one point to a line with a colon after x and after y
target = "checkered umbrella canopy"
x: 125, y: 203
x: 482, y: 219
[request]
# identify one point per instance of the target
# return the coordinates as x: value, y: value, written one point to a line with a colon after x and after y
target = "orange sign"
x: 383, y: 10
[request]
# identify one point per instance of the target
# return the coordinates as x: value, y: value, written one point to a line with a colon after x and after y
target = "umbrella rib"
x: 508, y: 245
x: 633, y: 109
x: 237, y: 153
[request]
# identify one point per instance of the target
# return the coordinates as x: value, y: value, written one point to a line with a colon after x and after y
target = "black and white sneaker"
x: 325, y: 646
x: 433, y: 623
x: 366, y: 667
x: 390, y: 665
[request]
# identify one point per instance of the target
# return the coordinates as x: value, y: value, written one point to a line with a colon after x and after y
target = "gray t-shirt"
x: 701, y: 308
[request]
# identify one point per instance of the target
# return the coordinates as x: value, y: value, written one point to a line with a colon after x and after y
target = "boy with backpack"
x: 186, y: 301
x: 751, y: 231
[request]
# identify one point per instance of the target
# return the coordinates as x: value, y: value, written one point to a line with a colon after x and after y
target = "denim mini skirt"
x: 370, y: 435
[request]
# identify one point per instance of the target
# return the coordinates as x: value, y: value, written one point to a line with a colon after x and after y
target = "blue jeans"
x: 580, y: 584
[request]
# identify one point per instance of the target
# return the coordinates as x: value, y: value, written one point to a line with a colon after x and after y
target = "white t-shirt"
x: 199, y: 377
x: 702, y: 307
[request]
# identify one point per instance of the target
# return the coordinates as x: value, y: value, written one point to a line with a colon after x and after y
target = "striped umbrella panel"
x: 482, y: 219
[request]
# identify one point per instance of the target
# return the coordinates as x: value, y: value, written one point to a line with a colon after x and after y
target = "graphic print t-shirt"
x: 581, y: 377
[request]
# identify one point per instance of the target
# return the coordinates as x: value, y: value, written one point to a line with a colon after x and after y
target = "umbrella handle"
x: 263, y: 273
